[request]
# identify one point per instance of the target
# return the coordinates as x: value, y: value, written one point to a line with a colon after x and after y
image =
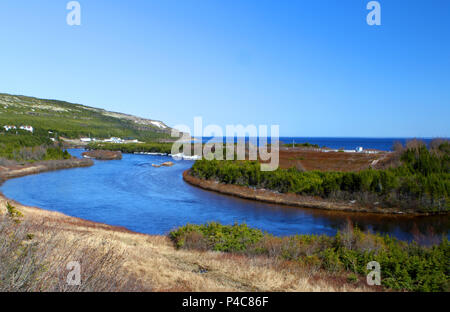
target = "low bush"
x: 421, y: 183
x: 216, y: 236
x: 29, y: 147
x: 404, y: 266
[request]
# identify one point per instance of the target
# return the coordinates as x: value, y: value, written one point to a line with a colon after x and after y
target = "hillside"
x: 74, y: 120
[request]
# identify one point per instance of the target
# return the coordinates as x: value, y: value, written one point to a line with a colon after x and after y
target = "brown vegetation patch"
x: 17, y: 170
x: 103, y: 155
x: 314, y: 159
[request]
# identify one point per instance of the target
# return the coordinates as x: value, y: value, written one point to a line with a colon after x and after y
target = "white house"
x: 359, y: 149
x: 27, y: 128
x: 114, y: 140
x: 85, y: 140
x: 7, y: 128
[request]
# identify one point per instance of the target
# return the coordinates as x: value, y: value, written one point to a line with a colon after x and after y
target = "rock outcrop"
x: 165, y: 164
x: 103, y: 155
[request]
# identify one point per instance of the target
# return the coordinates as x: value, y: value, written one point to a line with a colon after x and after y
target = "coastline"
x: 294, y: 200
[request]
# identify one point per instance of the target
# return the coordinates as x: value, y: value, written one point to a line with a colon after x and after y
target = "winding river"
x: 133, y: 194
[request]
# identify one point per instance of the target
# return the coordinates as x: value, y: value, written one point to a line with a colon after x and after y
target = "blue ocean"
x: 383, y: 144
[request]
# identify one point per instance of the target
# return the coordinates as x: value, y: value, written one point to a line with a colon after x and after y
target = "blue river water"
x: 133, y: 194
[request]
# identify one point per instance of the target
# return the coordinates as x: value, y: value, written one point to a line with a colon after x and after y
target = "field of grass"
x: 34, y: 258
x: 311, y: 160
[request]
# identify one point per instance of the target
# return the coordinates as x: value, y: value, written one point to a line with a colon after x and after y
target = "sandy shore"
x: 160, y: 267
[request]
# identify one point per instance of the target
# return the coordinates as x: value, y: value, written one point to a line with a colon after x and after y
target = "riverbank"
x: 17, y: 170
x: 156, y: 265
x: 289, y: 199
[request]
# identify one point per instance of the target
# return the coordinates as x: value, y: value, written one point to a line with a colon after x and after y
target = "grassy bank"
x: 34, y: 258
x: 115, y: 259
x: 15, y: 170
x: 418, y: 179
x: 403, y: 266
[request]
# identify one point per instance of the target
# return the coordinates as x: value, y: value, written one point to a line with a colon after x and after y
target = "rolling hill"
x: 75, y: 121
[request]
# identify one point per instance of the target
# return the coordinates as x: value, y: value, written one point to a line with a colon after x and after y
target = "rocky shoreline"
x: 289, y: 199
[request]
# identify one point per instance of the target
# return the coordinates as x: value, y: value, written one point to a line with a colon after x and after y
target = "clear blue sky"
x: 314, y: 67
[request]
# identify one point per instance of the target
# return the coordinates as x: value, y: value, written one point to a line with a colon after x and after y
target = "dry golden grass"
x: 157, y: 266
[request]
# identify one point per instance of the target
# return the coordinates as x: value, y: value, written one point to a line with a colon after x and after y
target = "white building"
x: 359, y: 149
x: 27, y: 128
x: 7, y: 128
x: 85, y: 140
x: 114, y: 140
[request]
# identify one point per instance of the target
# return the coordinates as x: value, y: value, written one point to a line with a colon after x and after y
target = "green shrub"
x: 13, y: 213
x: 220, y: 237
x: 421, y: 183
x: 404, y: 266
x: 24, y: 146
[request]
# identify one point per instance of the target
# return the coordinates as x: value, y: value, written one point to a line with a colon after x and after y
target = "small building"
x: 131, y: 141
x: 359, y: 149
x: 85, y: 140
x: 113, y: 140
x: 27, y: 128
x: 7, y: 127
